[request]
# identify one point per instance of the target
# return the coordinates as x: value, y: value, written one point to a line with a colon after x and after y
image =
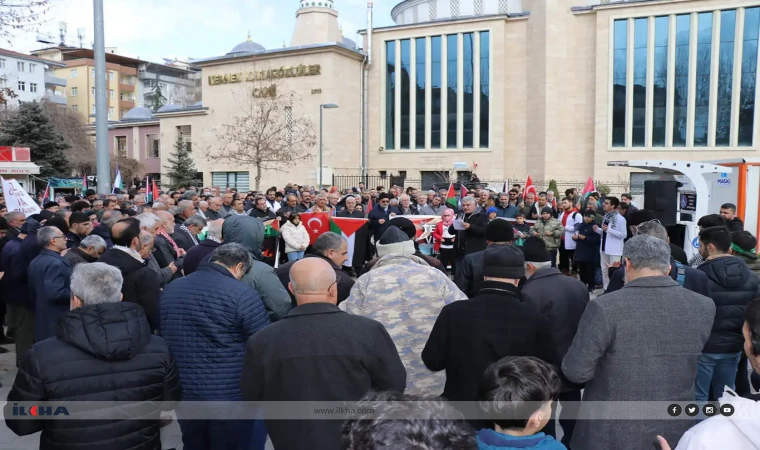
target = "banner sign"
x: 16, y: 198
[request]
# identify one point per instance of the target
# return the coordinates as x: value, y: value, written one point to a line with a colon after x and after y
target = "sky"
x: 157, y: 29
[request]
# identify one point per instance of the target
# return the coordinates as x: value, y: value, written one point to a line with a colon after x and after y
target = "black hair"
x: 107, y: 202
x: 293, y: 216
x: 128, y: 234
x: 58, y: 222
x: 568, y: 199
x: 712, y: 220
x: 720, y: 237
x: 569, y: 192
x: 519, y: 214
x: 79, y: 205
x: 515, y: 387
x: 406, y: 422
x: 626, y: 195
x: 730, y: 206
x: 90, y: 192
x: 752, y: 317
x: 589, y: 213
x: 744, y: 240
x: 516, y: 191
x: 614, y: 201
x: 383, y: 196
x: 4, y: 224
x: 78, y: 217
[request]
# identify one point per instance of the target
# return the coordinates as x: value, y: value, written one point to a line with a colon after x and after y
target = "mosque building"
x: 504, y: 88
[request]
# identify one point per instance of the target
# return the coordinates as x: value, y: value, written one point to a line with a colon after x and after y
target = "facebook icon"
x: 674, y: 410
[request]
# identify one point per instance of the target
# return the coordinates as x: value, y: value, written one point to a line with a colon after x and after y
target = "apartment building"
x: 31, y: 78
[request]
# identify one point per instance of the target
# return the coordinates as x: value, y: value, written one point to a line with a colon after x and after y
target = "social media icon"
x: 691, y: 410
x: 727, y: 410
x: 674, y: 410
x: 710, y: 410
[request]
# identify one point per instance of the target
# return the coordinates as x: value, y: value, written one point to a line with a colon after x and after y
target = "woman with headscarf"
x: 444, y: 241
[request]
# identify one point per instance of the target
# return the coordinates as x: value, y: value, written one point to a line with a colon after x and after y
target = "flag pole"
x: 277, y: 254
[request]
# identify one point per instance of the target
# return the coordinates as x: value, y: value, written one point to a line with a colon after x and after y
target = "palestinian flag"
x: 356, y: 232
x: 451, y: 198
x: 589, y: 188
x: 272, y: 228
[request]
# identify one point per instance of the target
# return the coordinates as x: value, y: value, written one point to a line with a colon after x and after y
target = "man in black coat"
x: 318, y: 353
x: 49, y: 276
x: 562, y: 300
x: 261, y: 210
x: 350, y: 209
x: 732, y: 286
x: 89, y: 250
x: 79, y: 228
x: 201, y: 252
x: 469, y: 274
x: 728, y: 211
x: 380, y: 215
x: 473, y: 237
x: 141, y: 283
x: 468, y: 336
x: 104, y: 351
x: 164, y: 245
x: 186, y: 234
x: 331, y: 248
x: 106, y: 222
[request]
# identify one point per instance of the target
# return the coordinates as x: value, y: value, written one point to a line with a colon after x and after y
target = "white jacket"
x: 739, y: 431
x: 575, y: 217
x: 295, y: 237
x: 613, y: 242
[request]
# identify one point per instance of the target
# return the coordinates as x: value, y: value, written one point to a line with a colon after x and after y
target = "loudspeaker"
x: 661, y: 197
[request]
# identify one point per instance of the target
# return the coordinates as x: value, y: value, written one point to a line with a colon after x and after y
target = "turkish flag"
x: 316, y: 224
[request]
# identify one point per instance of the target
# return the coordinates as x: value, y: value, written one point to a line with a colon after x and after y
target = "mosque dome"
x: 138, y: 113
x: 168, y: 108
x: 247, y: 46
x: 349, y: 43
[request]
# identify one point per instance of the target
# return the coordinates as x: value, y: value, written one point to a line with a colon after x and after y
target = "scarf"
x: 129, y: 252
x: 212, y: 238
x: 184, y: 228
x: 169, y: 239
x: 612, y: 217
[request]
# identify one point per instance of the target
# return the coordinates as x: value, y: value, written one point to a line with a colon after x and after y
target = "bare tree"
x: 20, y: 15
x: 266, y: 133
x: 71, y: 126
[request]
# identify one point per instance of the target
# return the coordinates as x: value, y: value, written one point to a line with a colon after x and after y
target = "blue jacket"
x: 375, y: 215
x: 587, y: 250
x: 49, y: 276
x: 491, y: 440
x: 206, y: 318
x: 508, y: 213
x: 14, y: 284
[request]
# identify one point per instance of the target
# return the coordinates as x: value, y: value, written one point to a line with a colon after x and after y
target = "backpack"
x: 681, y: 276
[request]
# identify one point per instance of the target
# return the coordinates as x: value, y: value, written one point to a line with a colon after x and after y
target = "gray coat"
x: 640, y: 343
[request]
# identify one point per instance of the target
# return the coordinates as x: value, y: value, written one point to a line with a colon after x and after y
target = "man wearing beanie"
x: 550, y: 230
x: 408, y: 228
x: 563, y: 300
x: 406, y: 295
x: 506, y: 326
x: 469, y: 274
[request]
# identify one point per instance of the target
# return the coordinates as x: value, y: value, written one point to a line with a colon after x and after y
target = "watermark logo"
x: 36, y: 411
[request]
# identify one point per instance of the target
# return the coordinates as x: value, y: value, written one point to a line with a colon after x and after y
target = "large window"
x: 237, y: 180
x: 406, y: 73
x: 704, y: 60
x: 153, y: 149
x: 660, y: 103
x: 390, y: 94
x: 725, y: 77
x: 485, y: 87
x: 749, y: 76
x: 468, y: 86
x: 620, y: 69
x: 420, y: 109
x: 681, y: 85
x: 436, y: 78
x: 420, y: 73
x: 640, y: 35
x: 451, y: 102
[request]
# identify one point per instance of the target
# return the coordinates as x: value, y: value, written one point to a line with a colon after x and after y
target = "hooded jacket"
x: 141, y: 284
x: 249, y: 232
x: 732, y: 286
x: 102, y: 352
x: 406, y: 295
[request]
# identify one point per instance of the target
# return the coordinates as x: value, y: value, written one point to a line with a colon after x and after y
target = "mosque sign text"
x: 270, y: 74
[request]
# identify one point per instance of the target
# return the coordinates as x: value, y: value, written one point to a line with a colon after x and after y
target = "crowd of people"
x: 540, y: 310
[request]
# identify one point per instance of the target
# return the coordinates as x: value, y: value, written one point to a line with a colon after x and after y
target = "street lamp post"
x: 321, y: 108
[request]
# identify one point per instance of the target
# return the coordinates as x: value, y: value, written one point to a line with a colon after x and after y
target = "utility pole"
x: 101, y: 106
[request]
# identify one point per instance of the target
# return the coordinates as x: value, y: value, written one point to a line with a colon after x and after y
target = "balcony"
x: 57, y: 99
x: 126, y: 104
x: 54, y: 81
x: 124, y: 87
x: 145, y: 75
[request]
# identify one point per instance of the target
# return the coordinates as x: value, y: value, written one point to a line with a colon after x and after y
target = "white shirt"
x: 574, y: 217
x: 736, y: 432
x: 613, y: 241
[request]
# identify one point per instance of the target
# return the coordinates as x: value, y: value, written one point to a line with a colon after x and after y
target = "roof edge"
x: 480, y: 18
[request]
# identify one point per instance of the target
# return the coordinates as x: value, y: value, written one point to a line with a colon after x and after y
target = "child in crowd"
x: 522, y: 229
x: 492, y: 212
x: 587, y: 249
x: 519, y: 390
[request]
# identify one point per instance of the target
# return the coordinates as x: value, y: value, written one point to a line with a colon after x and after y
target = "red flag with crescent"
x: 316, y: 224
